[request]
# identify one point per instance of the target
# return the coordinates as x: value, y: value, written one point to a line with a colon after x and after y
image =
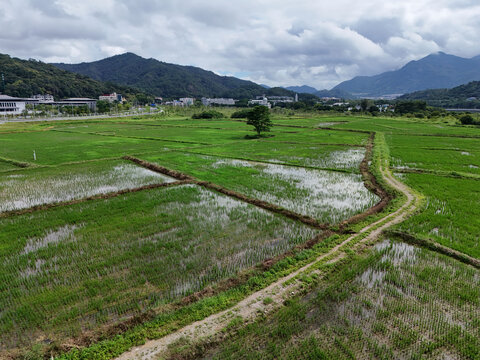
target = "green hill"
x: 163, y: 79
x: 24, y: 78
x: 463, y: 96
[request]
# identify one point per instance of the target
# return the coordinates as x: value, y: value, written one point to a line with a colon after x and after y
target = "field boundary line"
x: 435, y: 246
x: 442, y: 135
x: 447, y: 174
x: 110, y: 195
x: 19, y: 164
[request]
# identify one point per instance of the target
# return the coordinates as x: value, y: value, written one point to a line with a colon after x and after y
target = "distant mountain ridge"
x: 163, y: 79
x: 463, y: 96
x: 335, y: 93
x: 434, y: 71
x: 304, y: 89
x: 24, y: 78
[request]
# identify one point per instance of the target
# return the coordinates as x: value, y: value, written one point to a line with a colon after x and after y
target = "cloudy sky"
x: 274, y: 42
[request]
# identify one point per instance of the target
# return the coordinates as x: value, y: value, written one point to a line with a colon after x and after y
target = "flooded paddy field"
x: 399, y: 302
x: 76, y: 267
x: 85, y: 266
x: 41, y: 186
x: 328, y: 196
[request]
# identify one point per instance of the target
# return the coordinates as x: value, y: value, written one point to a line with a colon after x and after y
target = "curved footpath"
x: 252, y: 306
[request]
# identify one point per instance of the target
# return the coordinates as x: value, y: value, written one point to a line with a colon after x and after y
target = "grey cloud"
x: 274, y: 42
x: 379, y: 30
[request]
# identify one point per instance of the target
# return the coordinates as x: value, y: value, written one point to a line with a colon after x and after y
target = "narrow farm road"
x: 253, y: 306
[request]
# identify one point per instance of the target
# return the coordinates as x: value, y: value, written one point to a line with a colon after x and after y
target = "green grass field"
x: 81, y: 253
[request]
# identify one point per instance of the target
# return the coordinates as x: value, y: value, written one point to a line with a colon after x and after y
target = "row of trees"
x: 258, y: 117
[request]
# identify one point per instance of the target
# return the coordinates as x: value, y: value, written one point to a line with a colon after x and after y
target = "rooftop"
x: 11, y: 98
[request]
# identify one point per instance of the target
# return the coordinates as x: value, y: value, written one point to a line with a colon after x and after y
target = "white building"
x: 187, y: 101
x: 73, y: 102
x: 43, y: 98
x: 11, y: 105
x: 260, y: 101
x: 218, y: 101
x: 111, y: 97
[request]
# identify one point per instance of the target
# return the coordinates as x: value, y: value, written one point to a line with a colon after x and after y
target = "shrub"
x: 209, y: 114
x: 240, y: 114
x: 467, y: 119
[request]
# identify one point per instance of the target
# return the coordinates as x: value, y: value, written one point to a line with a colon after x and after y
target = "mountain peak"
x: 437, y: 70
x: 163, y: 79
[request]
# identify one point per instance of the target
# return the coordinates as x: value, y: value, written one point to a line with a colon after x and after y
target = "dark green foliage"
x: 259, y: 118
x: 26, y: 78
x: 406, y: 107
x: 209, y: 114
x: 463, y: 96
x: 163, y: 79
x: 240, y: 114
x: 468, y: 119
x: 103, y: 106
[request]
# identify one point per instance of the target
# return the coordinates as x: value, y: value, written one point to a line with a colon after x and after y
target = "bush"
x: 467, y: 119
x: 209, y: 114
x: 240, y: 114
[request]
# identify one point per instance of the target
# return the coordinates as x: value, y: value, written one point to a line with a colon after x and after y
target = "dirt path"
x: 252, y: 306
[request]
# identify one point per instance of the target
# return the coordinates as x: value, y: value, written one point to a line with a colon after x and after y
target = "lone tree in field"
x: 259, y: 118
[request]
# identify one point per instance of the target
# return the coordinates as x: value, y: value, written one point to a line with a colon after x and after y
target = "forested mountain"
x: 24, y: 78
x: 304, y: 89
x: 463, y: 96
x: 163, y: 79
x: 338, y: 93
x: 435, y: 71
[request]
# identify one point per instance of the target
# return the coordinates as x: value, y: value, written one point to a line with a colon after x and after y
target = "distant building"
x: 261, y: 100
x: 11, y: 105
x: 280, y: 99
x: 187, y: 101
x: 218, y: 101
x: 90, y: 103
x: 43, y: 98
x: 111, y: 97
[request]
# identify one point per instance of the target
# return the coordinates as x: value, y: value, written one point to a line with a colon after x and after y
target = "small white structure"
x: 218, y: 101
x: 11, y: 105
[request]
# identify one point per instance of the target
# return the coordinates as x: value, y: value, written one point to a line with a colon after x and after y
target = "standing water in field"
x: 325, y: 195
x: 36, y: 187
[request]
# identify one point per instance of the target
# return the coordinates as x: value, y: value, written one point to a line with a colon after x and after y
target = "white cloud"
x: 279, y: 42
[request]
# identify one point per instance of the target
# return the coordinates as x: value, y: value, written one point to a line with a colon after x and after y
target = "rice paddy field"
x: 399, y: 302
x: 90, y: 240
